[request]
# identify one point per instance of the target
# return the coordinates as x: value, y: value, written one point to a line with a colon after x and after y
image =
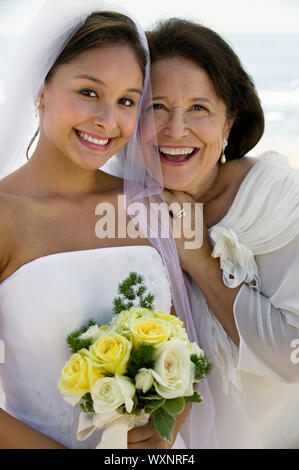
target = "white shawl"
x: 264, y: 217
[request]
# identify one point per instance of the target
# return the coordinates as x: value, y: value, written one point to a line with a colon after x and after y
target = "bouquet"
x: 138, y: 365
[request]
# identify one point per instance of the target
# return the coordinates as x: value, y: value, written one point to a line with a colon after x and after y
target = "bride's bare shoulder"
x: 11, y: 213
x: 8, y: 223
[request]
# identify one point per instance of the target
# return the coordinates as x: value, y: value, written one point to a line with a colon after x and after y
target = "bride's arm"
x: 16, y: 435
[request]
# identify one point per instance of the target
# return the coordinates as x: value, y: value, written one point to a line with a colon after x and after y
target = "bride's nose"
x: 105, y: 117
x: 176, y: 127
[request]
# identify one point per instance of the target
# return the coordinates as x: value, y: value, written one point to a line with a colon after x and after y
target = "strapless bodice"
x: 40, y: 304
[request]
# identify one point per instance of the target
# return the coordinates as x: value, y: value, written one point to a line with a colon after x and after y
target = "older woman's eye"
x: 198, y: 107
x: 88, y: 92
x: 158, y: 106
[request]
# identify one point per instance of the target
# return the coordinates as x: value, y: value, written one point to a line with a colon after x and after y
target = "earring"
x: 223, y: 158
x: 36, y: 108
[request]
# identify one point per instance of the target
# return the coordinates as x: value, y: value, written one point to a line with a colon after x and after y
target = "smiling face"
x: 88, y: 110
x: 191, y: 123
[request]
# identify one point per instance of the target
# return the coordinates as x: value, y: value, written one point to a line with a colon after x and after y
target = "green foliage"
x: 174, y: 406
x: 75, y: 343
x: 164, y: 424
x: 150, y: 397
x: 87, y: 405
x: 136, y: 411
x: 141, y: 291
x: 131, y: 288
x: 142, y: 357
x: 163, y: 412
x: 147, y: 302
x: 195, y: 398
x: 202, y: 366
x: 153, y: 405
x: 119, y: 305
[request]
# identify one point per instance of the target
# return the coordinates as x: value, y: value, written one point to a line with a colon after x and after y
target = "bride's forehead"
x: 101, y: 63
x: 118, y: 53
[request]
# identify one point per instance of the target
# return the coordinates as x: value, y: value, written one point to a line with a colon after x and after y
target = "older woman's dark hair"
x: 204, y: 47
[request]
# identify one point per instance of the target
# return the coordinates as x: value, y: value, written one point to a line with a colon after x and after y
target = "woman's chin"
x: 177, y: 181
x: 175, y: 185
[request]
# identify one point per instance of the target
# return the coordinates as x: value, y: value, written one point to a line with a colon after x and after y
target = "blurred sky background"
x: 264, y: 33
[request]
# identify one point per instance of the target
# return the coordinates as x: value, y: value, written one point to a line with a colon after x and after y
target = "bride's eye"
x: 127, y: 102
x: 88, y: 92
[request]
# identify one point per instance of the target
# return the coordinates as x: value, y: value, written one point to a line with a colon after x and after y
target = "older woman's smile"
x: 191, y: 123
x: 176, y: 155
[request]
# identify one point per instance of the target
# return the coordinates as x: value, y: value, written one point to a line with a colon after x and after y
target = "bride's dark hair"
x: 100, y: 30
x: 191, y: 41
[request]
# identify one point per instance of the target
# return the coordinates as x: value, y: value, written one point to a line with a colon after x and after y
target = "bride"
x: 85, y: 70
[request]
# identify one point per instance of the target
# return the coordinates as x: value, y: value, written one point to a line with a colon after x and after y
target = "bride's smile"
x: 92, y: 141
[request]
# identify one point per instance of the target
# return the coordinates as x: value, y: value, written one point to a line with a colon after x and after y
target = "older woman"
x: 246, y: 298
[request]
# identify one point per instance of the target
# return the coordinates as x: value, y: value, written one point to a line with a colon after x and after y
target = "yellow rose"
x: 125, y: 319
x: 78, y: 375
x: 141, y: 312
x: 168, y: 317
x: 95, y: 371
x: 177, y: 326
x: 111, y: 352
x: 150, y: 331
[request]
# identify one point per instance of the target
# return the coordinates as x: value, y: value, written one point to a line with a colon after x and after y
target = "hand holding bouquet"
x: 142, y: 363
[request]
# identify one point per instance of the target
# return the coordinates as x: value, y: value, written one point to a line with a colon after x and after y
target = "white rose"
x: 144, y: 380
x: 93, y: 333
x: 195, y: 349
x: 174, y: 371
x: 109, y: 393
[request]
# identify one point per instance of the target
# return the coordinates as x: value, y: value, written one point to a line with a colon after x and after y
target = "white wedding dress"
x: 40, y: 304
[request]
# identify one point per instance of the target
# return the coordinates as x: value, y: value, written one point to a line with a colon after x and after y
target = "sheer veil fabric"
x: 28, y: 66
